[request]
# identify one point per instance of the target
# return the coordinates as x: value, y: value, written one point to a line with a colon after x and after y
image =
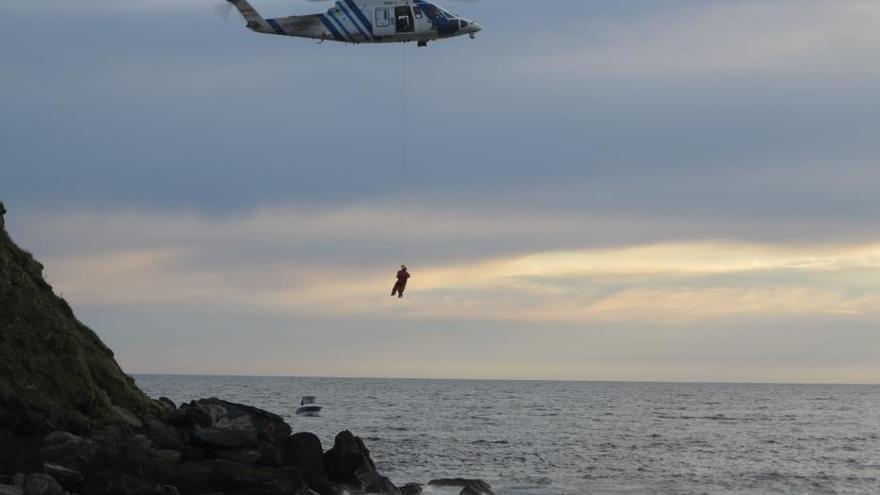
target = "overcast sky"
x: 615, y: 190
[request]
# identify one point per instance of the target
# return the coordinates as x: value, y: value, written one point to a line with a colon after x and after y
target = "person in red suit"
x: 400, y: 285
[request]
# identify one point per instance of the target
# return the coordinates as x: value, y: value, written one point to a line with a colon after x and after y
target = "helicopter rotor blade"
x: 223, y: 10
x: 442, y: 1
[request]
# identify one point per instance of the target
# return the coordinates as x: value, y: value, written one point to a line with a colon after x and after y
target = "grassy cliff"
x: 55, y: 373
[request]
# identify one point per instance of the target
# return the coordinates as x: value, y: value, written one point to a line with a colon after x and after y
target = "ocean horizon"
x: 540, y: 380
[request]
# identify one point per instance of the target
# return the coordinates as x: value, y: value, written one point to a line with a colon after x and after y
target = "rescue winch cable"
x: 403, y: 178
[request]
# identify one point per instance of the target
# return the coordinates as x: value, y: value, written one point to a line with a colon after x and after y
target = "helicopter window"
x: 418, y: 11
x: 383, y: 18
x: 431, y: 11
x: 463, y: 24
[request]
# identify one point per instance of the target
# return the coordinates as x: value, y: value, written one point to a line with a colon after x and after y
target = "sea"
x: 560, y: 438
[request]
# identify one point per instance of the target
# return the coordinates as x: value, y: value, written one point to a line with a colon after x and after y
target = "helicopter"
x: 366, y: 21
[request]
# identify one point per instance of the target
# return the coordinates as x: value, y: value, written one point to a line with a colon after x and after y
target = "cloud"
x: 722, y: 39
x: 305, y: 262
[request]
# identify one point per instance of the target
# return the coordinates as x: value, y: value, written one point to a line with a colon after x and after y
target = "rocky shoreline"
x: 72, y: 422
x: 208, y: 446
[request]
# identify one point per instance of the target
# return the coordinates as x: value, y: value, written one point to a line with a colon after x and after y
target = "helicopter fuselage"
x: 366, y: 21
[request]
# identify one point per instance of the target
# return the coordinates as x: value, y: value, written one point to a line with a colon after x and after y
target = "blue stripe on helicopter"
x: 275, y: 26
x: 341, y: 26
x: 331, y: 28
x: 360, y: 15
x: 351, y: 18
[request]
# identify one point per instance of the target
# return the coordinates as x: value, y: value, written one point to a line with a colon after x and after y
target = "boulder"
x: 164, y: 436
x: 165, y: 490
x: 220, y: 475
x: 373, y: 482
x: 349, y: 463
x: 167, y: 456
x: 68, y: 450
x: 270, y: 455
x: 242, y: 456
x: 113, y: 483
x: 250, y: 421
x: 128, y: 417
x: 189, y: 416
x: 169, y: 404
x: 304, y: 454
x: 65, y: 476
x: 468, y: 486
x: 411, y: 489
x: 194, y: 454
x: 42, y: 484
x: 223, y: 439
x: 347, y: 459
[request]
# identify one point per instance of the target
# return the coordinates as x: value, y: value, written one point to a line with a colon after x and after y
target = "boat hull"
x: 310, y: 411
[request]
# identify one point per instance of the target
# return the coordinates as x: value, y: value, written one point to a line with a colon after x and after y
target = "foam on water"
x: 580, y: 437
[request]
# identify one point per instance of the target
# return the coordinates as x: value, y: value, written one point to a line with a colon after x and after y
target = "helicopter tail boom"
x: 254, y: 20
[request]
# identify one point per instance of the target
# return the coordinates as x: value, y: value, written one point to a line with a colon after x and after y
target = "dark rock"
x: 469, y: 491
x: 478, y: 487
x: 164, y: 436
x: 189, y: 416
x: 349, y: 463
x: 230, y: 477
x: 128, y: 417
x: 411, y: 489
x: 18, y: 480
x: 167, y: 456
x: 194, y: 454
x: 270, y: 455
x: 42, y: 484
x: 65, y: 476
x: 242, y: 456
x: 373, y: 482
x: 10, y: 490
x: 348, y: 457
x: 165, y: 490
x: 68, y: 450
x: 111, y: 483
x: 168, y: 403
x: 250, y: 421
x: 223, y: 439
x: 303, y: 452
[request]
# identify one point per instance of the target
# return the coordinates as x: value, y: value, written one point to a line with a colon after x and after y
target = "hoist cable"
x: 403, y: 121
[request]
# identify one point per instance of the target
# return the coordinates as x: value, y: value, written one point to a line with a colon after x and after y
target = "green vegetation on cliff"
x: 55, y: 373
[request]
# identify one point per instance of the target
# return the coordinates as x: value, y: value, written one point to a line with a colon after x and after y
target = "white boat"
x: 308, y: 407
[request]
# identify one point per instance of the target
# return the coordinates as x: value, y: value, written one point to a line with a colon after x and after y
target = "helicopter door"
x: 404, y: 22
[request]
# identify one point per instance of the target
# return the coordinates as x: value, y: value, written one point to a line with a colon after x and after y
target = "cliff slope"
x: 55, y: 373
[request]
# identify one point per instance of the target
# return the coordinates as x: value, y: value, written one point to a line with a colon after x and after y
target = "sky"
x: 592, y: 190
